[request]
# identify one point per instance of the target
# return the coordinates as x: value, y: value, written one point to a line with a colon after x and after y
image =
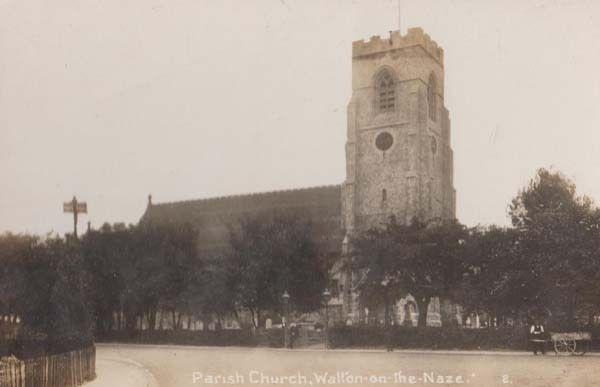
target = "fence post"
x: 45, y: 374
x: 69, y: 369
x: 52, y: 371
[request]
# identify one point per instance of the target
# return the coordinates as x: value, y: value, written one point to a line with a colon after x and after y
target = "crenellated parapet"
x: 413, y: 37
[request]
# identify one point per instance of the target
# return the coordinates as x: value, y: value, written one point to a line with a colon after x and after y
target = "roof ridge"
x: 251, y: 194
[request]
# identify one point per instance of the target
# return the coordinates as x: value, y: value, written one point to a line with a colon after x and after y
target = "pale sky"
x: 185, y: 99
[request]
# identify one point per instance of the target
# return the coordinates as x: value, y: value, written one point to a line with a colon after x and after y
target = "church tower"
x: 398, y: 156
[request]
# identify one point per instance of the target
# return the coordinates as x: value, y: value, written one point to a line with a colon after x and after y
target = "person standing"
x: 537, y: 338
x: 389, y: 337
x: 293, y: 335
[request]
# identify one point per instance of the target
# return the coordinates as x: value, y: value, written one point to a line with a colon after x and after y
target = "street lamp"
x: 286, y: 315
x: 385, y: 283
x: 326, y: 297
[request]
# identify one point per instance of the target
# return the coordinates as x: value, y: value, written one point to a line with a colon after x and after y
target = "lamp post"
x: 326, y: 297
x: 384, y: 284
x: 286, y: 314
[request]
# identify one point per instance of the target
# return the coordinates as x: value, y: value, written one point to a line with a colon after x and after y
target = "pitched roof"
x: 213, y: 216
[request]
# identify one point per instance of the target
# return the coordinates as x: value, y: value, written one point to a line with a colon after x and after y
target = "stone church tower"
x: 398, y: 156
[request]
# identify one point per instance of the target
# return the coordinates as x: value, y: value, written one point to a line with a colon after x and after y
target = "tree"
x: 167, y: 262
x: 209, y: 292
x: 495, y: 274
x: 138, y: 270
x: 420, y: 259
x: 106, y: 253
x: 559, y: 237
x: 376, y: 258
x: 16, y: 251
x: 69, y: 309
x: 273, y: 253
x: 44, y: 282
x: 549, y: 196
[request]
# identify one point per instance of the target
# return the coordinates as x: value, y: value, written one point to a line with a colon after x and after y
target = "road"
x: 179, y: 366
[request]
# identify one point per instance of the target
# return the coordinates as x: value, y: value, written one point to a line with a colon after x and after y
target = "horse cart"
x: 571, y: 343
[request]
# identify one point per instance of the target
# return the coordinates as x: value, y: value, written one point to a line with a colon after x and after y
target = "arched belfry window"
x: 386, y: 93
x: 431, y: 98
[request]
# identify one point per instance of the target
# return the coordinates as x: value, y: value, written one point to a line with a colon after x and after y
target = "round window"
x: 384, y: 141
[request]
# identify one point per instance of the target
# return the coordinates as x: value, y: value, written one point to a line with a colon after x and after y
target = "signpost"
x: 76, y: 208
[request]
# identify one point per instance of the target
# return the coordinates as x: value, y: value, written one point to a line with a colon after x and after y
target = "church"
x: 399, y: 162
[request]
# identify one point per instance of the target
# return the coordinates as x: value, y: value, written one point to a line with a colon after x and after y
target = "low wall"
x: 69, y: 369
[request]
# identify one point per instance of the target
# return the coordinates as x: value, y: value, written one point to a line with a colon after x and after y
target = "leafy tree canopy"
x: 274, y: 253
x: 422, y: 259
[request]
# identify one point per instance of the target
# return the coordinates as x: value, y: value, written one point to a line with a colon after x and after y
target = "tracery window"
x: 386, y: 93
x: 431, y: 98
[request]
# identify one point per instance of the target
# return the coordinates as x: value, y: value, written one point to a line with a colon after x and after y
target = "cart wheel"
x: 565, y: 347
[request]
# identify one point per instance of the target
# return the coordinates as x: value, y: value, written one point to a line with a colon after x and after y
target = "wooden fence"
x: 69, y: 369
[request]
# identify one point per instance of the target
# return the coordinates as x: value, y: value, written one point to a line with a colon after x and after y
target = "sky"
x: 185, y: 99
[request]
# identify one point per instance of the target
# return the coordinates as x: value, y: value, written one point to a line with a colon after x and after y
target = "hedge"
x: 358, y: 336
x: 429, y: 337
x: 29, y: 348
x: 225, y: 337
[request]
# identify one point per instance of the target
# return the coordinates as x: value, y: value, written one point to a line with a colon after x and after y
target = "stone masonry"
x: 398, y: 156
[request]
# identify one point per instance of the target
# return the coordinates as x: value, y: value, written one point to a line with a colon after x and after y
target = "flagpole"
x: 399, y: 17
